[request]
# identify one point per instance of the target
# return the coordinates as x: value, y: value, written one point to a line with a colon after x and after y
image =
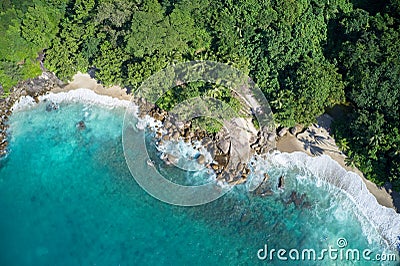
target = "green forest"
x: 306, y: 55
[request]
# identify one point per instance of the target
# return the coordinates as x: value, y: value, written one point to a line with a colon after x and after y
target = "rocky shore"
x: 229, y: 169
x: 31, y: 87
x: 314, y: 140
x: 219, y: 145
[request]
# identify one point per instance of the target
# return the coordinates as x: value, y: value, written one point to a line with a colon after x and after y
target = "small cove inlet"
x: 67, y: 198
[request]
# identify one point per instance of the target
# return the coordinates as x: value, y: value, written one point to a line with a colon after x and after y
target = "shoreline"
x: 80, y: 80
x: 313, y: 141
x: 303, y: 142
x: 316, y: 141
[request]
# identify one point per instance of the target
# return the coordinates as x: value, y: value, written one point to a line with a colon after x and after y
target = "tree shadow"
x: 325, y: 141
x: 312, y: 146
x: 396, y: 200
x: 394, y: 194
x: 320, y: 140
x: 316, y: 151
x: 312, y: 133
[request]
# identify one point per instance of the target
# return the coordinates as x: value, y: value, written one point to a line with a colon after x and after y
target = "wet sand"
x: 316, y: 141
x: 80, y: 80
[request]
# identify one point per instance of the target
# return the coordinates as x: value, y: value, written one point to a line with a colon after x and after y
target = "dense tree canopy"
x: 306, y: 55
x: 370, y: 63
x: 27, y: 28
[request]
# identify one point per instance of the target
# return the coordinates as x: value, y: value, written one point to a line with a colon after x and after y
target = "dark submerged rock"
x: 281, y: 183
x: 264, y: 188
x: 52, y: 107
x: 81, y: 125
x: 298, y: 200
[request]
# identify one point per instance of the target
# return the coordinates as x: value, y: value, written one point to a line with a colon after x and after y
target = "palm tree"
x: 343, y: 145
x: 352, y: 160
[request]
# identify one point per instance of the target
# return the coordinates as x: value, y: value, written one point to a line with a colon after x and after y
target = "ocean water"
x: 68, y: 198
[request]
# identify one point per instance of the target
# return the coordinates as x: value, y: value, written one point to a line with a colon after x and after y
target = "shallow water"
x: 67, y: 198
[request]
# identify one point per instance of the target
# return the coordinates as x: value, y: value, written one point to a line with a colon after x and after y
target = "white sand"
x: 317, y: 141
x: 80, y: 80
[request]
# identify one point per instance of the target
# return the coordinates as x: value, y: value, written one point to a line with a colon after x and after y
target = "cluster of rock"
x: 81, y: 125
x: 217, y: 144
x: 264, y: 188
x: 51, y: 106
x: 263, y: 142
x: 299, y: 200
x: 31, y: 87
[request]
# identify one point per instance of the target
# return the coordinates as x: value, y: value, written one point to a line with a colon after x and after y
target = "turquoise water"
x: 67, y: 198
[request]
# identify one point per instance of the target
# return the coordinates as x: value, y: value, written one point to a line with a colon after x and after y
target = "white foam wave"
x: 385, y: 220
x: 151, y: 123
x: 85, y: 96
x: 186, y: 153
x: 24, y: 102
x: 79, y: 95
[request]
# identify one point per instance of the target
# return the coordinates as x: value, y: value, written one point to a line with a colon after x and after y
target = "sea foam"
x: 385, y: 220
x: 79, y: 95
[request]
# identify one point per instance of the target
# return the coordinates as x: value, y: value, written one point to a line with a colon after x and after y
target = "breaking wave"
x: 384, y: 220
x: 323, y: 168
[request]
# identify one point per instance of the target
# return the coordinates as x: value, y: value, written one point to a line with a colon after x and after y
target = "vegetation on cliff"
x: 306, y: 55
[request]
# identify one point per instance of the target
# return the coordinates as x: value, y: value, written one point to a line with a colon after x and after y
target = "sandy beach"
x: 314, y: 141
x: 81, y: 80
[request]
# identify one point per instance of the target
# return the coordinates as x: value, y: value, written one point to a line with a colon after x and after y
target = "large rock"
x: 281, y: 183
x: 201, y: 159
x: 167, y: 125
x: 211, y: 149
x: 51, y: 106
x: 215, y: 167
x: 224, y: 145
x: 222, y: 160
x: 296, y: 129
x: 282, y: 132
x: 206, y: 141
x: 158, y: 116
x: 266, y: 177
x: 171, y: 159
x: 253, y: 140
x: 180, y: 125
x: 271, y: 137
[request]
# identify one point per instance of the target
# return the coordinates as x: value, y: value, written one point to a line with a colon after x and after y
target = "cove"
x: 67, y: 198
